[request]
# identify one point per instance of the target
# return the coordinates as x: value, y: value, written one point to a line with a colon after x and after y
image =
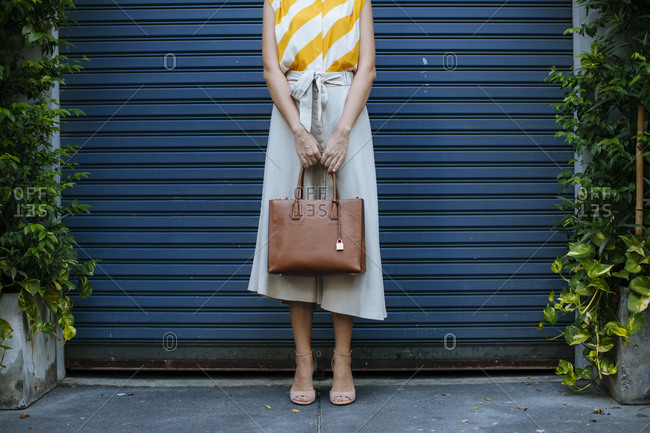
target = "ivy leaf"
x: 635, y: 323
x: 5, y: 330
x: 550, y: 314
x: 641, y: 285
x: 69, y: 332
x: 66, y: 320
x: 563, y: 367
x: 600, y: 284
x: 26, y: 303
x: 32, y: 286
x: 574, y: 335
x: 599, y: 269
x: 85, y: 290
x: 607, y: 366
x: 556, y: 267
x: 586, y: 318
x: 622, y: 274
x: 48, y: 328
x: 637, y: 303
x: 586, y: 373
x: 579, y: 250
x: 632, y: 264
x: 616, y: 328
x: 606, y: 344
x: 51, y: 295
x: 598, y: 238
x: 633, y: 244
x: 569, y: 379
x: 590, y: 355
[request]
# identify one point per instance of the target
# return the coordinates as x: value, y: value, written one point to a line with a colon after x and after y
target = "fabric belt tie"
x: 302, y: 90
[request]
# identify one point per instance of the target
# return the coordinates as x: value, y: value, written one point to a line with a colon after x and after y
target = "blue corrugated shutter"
x: 177, y: 114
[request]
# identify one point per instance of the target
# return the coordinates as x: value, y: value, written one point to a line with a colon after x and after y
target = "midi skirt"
x: 320, y: 98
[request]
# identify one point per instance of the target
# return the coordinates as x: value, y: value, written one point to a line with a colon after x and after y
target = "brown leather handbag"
x: 316, y: 237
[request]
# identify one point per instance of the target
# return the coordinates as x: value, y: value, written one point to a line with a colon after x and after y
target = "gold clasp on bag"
x: 339, y: 244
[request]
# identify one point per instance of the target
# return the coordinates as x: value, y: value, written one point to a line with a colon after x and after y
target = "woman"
x: 319, y: 66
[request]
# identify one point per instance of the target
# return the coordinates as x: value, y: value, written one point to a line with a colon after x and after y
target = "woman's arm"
x: 366, y: 74
x: 305, y: 143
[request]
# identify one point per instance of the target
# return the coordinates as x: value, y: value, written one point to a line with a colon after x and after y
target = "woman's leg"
x: 342, y: 380
x: 302, y: 316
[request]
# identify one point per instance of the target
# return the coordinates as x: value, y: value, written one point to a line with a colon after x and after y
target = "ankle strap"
x: 303, y: 354
x: 342, y: 354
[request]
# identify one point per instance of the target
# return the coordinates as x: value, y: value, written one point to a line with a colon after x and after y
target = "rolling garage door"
x: 174, y: 132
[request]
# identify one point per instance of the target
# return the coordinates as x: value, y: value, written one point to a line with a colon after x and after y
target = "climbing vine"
x: 605, y: 258
x: 37, y: 255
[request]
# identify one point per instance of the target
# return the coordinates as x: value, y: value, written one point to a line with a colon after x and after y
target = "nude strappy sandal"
x: 304, y: 397
x: 341, y: 398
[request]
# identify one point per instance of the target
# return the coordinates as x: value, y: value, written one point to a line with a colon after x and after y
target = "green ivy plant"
x: 37, y: 255
x: 605, y: 257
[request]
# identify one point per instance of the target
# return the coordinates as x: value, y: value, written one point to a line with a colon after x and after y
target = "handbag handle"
x: 301, y: 182
x: 298, y: 195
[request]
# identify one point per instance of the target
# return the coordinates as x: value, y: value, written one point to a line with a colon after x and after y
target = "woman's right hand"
x: 306, y: 147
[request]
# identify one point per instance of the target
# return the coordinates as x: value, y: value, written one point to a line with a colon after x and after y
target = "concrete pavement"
x: 423, y: 402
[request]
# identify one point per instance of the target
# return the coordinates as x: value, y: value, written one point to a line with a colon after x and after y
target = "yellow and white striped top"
x: 320, y: 35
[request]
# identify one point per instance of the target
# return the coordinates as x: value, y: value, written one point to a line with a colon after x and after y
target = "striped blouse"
x: 320, y: 35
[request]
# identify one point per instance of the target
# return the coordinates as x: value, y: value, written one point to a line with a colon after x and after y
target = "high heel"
x: 309, y: 396
x: 341, y: 398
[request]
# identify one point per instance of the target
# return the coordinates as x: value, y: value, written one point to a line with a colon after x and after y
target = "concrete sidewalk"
x: 425, y: 402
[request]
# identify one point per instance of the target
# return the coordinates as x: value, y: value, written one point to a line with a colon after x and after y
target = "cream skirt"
x: 360, y: 295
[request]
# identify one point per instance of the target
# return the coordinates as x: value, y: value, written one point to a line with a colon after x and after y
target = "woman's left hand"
x: 335, y: 150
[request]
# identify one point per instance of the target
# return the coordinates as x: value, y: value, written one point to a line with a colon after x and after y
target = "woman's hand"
x: 306, y: 147
x: 335, y: 150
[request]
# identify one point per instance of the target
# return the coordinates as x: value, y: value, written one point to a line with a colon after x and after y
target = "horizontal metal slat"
x: 380, y: 92
x: 242, y: 189
x: 210, y: 45
x: 415, y: 173
x: 400, y: 291
x: 432, y: 238
x: 511, y: 220
x: 268, y: 335
x: 382, y: 140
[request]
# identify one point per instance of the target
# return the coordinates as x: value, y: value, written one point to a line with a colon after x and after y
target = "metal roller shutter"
x: 174, y: 134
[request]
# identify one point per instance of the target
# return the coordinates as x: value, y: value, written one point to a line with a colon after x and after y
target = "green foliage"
x: 598, y: 118
x: 37, y: 255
